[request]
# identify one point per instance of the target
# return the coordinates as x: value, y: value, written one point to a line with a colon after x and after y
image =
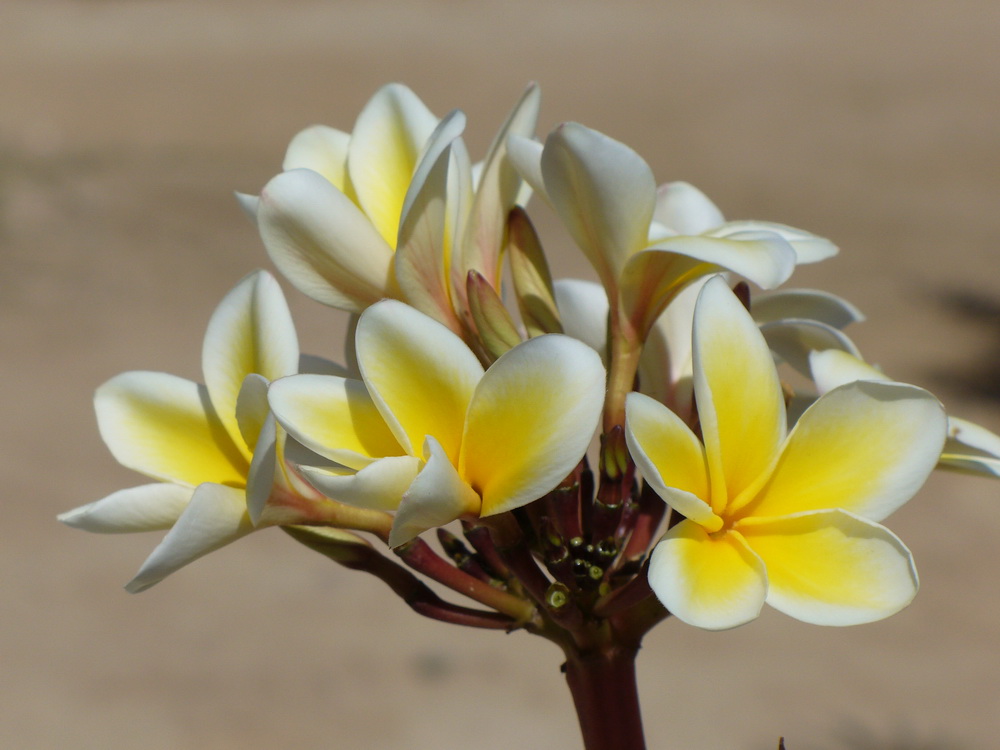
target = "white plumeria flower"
x: 392, y: 209
x: 647, y: 245
x: 431, y: 435
x: 787, y: 519
x: 212, y: 448
x: 970, y: 449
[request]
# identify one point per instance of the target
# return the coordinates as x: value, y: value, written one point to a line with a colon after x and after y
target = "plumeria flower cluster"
x: 591, y: 457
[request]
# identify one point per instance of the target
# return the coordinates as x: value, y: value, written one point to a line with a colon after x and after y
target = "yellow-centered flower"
x: 214, y: 448
x: 787, y: 519
x: 430, y: 434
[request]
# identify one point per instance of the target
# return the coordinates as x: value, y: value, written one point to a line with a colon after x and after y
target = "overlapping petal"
x: 712, y: 581
x: 831, y: 567
x: 681, y: 208
x: 164, y: 427
x: 385, y: 146
x: 437, y: 496
x: 333, y: 416
x: 420, y: 375
x: 670, y: 457
x: 739, y: 396
x: 530, y: 420
x: 322, y: 242
x: 215, y: 517
x: 251, y: 331
x: 604, y: 193
x: 866, y: 447
x: 379, y: 485
x: 322, y: 149
x: 149, y: 507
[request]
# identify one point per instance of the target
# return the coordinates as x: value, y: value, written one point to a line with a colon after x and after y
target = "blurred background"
x: 124, y: 129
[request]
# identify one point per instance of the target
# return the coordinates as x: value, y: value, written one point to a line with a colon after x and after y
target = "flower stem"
x: 602, y: 682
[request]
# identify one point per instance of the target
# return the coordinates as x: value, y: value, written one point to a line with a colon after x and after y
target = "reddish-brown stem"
x: 418, y: 555
x: 602, y: 682
x: 417, y: 595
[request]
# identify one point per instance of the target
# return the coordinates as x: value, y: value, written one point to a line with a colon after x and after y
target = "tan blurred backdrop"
x: 124, y: 127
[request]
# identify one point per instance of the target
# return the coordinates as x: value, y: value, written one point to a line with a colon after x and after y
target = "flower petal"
x: 423, y: 255
x: 764, y: 258
x: 740, y: 404
x: 971, y: 449
x: 164, y: 427
x: 385, y: 145
x: 436, y: 497
x: 865, y: 447
x: 531, y: 419
x: 250, y: 332
x: 794, y: 340
x: 670, y: 457
x: 583, y: 310
x: 321, y: 149
x: 808, y: 247
x: 335, y: 417
x: 497, y: 191
x: 379, y: 486
x: 604, y: 193
x: 832, y: 567
x: 322, y: 243
x: 684, y: 209
x: 834, y: 368
x: 248, y: 203
x: 149, y: 507
x: 215, y: 517
x: 806, y: 304
x: 711, y: 581
x: 263, y: 472
x: 420, y: 375
x: 526, y: 156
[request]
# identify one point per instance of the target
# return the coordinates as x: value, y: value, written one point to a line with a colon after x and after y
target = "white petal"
x: 321, y: 149
x: 386, y: 143
x: 420, y: 375
x: 149, y: 507
x: 497, y: 192
x: 761, y: 257
x: 865, y: 447
x: 263, y: 469
x: 215, y: 517
x: 831, y: 567
x: 322, y: 242
x: 164, y: 427
x: 335, y: 417
x: 583, y: 310
x: 250, y: 332
x: 795, y: 340
x: 670, y: 457
x: 684, y: 209
x: 379, y: 486
x: 834, y: 368
x: 604, y: 193
x: 436, y: 497
x: 808, y: 247
x: 805, y: 304
x: 711, y: 581
x: 739, y: 397
x: 423, y: 255
x: 530, y: 420
x: 971, y: 438
x: 248, y: 203
x: 526, y: 156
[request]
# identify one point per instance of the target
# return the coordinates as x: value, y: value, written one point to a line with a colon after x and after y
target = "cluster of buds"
x: 714, y: 487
